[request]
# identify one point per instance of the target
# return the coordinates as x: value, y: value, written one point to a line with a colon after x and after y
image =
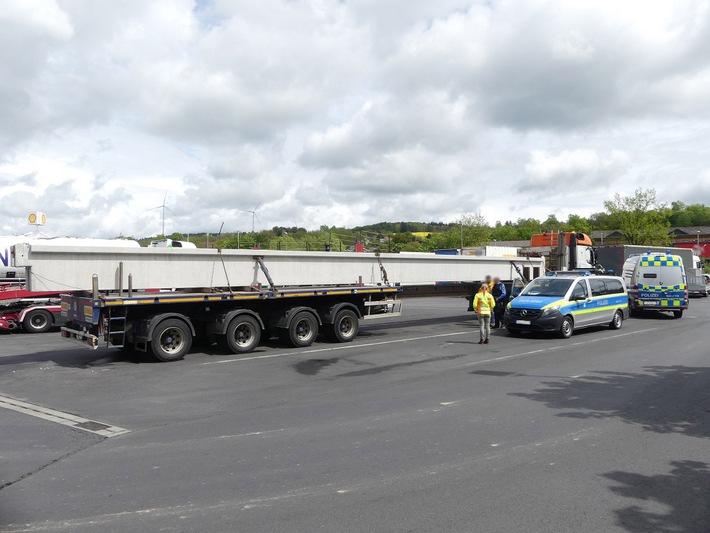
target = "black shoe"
x: 485, y: 341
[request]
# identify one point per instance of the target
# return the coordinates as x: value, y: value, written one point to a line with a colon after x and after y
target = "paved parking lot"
x: 413, y: 427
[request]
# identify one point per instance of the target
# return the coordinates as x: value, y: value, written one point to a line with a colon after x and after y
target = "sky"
x: 345, y: 113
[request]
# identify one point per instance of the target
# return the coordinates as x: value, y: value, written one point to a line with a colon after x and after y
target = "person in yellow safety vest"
x: 483, y: 304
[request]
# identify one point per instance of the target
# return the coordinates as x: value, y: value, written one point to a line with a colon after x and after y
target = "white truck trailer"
x: 158, y: 300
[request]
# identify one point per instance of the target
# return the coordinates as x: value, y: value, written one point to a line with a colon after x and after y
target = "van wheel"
x: 171, y: 340
x: 38, y: 321
x: 617, y: 321
x: 678, y: 314
x: 567, y: 328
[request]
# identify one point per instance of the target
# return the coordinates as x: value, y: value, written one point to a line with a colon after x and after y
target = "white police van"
x: 564, y: 301
x: 657, y: 282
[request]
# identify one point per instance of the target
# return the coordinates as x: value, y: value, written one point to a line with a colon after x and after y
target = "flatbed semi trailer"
x: 165, y: 323
x: 159, y: 300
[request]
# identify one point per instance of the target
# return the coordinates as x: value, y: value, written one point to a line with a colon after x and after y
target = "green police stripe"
x: 662, y: 303
x: 680, y: 287
x: 553, y: 304
x: 596, y: 309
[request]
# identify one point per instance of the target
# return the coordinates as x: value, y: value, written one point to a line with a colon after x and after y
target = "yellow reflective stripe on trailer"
x: 225, y: 297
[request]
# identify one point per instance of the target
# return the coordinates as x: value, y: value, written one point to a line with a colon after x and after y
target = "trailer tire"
x: 38, y: 321
x: 243, y: 334
x: 171, y: 340
x: 345, y: 326
x: 302, y: 331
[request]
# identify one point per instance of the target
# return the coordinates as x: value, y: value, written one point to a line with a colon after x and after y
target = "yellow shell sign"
x: 39, y: 219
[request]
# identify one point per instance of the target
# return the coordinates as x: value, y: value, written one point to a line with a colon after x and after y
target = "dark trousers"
x: 498, y: 313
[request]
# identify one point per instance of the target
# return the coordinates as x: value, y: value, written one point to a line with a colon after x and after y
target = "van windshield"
x: 547, y: 287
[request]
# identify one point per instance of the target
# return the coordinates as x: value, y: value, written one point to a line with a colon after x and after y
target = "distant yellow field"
x: 421, y: 234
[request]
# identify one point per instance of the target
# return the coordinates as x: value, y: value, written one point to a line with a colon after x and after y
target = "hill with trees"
x: 640, y: 219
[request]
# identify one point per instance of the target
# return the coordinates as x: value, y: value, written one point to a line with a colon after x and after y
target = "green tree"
x: 551, y: 224
x: 577, y: 223
x: 527, y: 227
x: 505, y: 232
x: 475, y: 229
x: 600, y: 221
x: 640, y: 218
x: 689, y: 215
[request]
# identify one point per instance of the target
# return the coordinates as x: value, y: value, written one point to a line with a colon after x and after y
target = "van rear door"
x: 648, y: 279
x: 673, y: 284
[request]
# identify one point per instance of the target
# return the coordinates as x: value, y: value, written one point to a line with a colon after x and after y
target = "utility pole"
x: 461, y: 252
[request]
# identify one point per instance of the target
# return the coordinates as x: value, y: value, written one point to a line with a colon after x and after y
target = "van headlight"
x: 551, y: 310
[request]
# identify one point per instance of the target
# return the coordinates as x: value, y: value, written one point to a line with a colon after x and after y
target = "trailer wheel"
x: 344, y: 328
x: 567, y: 328
x: 171, y: 340
x: 243, y: 334
x: 303, y: 330
x: 38, y: 321
x: 617, y: 321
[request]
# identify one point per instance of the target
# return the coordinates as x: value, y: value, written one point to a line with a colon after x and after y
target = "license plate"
x: 523, y: 322
x: 650, y: 304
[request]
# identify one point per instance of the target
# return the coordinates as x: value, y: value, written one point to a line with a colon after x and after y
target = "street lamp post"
x: 698, y: 239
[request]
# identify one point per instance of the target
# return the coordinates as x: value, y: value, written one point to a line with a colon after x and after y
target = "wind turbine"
x: 163, y: 207
x: 253, y: 215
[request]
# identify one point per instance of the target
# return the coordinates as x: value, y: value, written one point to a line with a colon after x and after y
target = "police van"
x: 562, y: 302
x: 656, y: 282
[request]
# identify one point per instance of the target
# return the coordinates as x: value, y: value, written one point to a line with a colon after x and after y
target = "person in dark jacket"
x: 501, y: 297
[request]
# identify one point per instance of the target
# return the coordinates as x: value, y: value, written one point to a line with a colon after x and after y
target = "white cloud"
x: 571, y: 169
x: 331, y: 112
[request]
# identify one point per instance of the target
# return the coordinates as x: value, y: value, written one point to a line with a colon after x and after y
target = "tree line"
x: 639, y: 218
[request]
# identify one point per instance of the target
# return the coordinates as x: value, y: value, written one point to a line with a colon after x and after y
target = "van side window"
x: 614, y: 286
x: 580, y: 291
x: 598, y: 287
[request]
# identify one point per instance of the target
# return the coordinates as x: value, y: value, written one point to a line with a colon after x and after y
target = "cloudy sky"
x: 345, y: 112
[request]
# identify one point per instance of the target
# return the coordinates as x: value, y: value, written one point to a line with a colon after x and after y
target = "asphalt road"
x: 413, y: 427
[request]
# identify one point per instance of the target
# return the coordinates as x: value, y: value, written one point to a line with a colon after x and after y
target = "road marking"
x: 335, y: 348
x: 60, y: 417
x: 556, y: 348
x: 411, y: 339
